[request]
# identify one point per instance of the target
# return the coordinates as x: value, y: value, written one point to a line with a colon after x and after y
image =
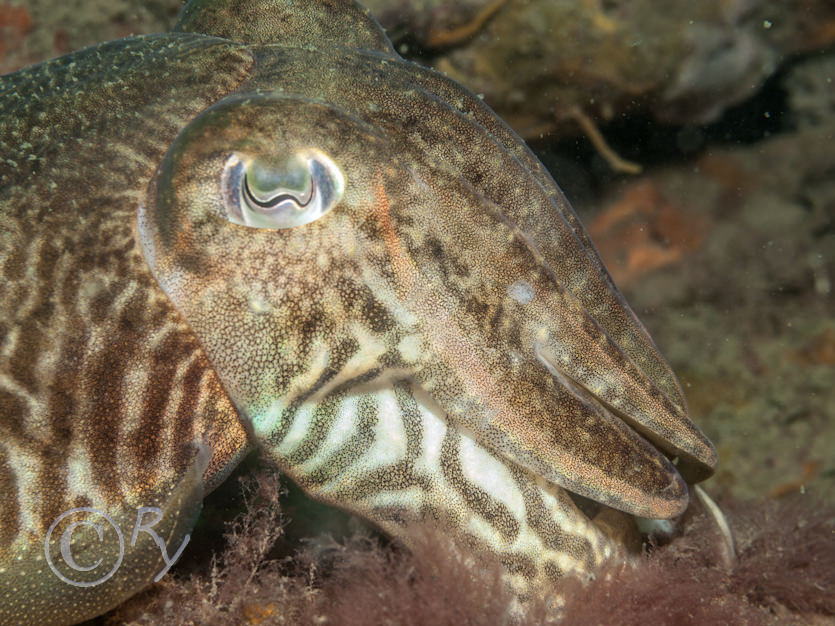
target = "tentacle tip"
x: 671, y: 501
x: 699, y: 463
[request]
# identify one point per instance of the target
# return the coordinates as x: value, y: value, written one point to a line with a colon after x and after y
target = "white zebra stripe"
x: 389, y: 435
x: 343, y: 429
x: 297, y: 432
x: 485, y: 470
x: 25, y: 467
x: 410, y: 498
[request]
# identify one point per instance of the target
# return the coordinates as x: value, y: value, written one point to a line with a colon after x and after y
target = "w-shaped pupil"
x: 274, y: 201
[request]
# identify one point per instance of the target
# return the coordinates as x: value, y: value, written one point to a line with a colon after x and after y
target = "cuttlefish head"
x: 311, y: 250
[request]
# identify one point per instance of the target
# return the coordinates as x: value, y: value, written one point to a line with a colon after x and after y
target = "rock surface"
x: 535, y: 61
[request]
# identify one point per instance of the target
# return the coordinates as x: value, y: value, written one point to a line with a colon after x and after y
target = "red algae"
x: 785, y: 574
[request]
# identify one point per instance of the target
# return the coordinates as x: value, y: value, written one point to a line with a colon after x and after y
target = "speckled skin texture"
x: 444, y: 344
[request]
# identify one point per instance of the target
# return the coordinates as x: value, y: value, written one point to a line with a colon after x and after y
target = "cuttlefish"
x: 265, y: 228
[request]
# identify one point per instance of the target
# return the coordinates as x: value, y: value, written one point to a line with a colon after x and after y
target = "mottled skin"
x: 443, y: 344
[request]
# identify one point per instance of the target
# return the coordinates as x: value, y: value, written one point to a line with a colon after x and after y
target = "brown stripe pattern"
x: 105, y: 394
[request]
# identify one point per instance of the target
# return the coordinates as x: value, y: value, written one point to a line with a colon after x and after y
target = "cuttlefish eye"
x: 262, y: 193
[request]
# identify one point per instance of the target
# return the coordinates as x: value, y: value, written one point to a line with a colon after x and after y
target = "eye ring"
x: 302, y: 190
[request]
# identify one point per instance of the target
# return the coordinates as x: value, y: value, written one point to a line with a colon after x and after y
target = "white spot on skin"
x: 258, y: 304
x: 521, y: 291
x: 410, y: 348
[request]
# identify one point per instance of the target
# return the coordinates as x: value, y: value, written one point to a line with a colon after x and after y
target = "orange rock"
x: 726, y: 170
x: 643, y: 231
x: 16, y: 17
x: 61, y: 42
x: 810, y: 470
x: 820, y: 35
x: 819, y: 351
x: 15, y: 22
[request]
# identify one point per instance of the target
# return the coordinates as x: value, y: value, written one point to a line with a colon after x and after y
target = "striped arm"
x: 388, y: 455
